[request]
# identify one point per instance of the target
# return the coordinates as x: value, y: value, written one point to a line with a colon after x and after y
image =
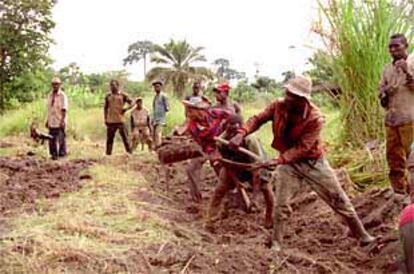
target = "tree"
x: 264, y: 83
x: 287, y: 75
x: 25, y: 27
x: 178, y: 59
x: 139, y: 51
x: 223, y: 65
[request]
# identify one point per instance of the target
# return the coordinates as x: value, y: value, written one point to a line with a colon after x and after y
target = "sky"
x: 268, y: 35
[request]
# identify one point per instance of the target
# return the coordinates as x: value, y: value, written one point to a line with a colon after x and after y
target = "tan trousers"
x: 398, y: 142
x: 158, y: 135
x: 141, y: 134
x: 320, y: 177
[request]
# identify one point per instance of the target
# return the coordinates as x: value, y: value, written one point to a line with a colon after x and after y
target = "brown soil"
x: 317, y: 243
x: 22, y: 181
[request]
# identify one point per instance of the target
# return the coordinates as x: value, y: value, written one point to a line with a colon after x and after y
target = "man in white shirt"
x: 57, y: 106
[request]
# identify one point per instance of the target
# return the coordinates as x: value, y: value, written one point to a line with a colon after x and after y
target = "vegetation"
x: 178, y: 59
x: 25, y: 28
x: 356, y: 34
x: 139, y: 50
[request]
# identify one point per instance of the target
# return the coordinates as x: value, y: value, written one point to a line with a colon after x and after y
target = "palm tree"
x: 178, y: 58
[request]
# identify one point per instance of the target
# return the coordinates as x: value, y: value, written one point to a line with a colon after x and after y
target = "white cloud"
x: 96, y: 33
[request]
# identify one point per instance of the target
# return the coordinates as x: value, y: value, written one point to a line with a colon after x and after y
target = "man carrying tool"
x: 160, y: 107
x: 114, y: 116
x: 57, y: 106
x: 232, y: 175
x: 297, y: 125
x: 140, y: 126
x: 194, y: 167
x: 397, y: 97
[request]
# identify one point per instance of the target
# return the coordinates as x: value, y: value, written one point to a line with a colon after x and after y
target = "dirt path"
x: 317, y: 242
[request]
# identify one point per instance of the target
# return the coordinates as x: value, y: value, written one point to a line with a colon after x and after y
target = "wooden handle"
x: 241, y: 149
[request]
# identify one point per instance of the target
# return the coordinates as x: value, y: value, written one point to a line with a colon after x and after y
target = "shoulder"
x: 108, y: 95
x: 316, y: 114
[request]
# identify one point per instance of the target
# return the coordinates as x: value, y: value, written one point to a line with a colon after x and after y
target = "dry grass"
x: 95, y: 230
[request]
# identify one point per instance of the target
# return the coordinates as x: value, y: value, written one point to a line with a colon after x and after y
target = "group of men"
x: 301, y: 164
x: 146, y: 128
x: 296, y: 126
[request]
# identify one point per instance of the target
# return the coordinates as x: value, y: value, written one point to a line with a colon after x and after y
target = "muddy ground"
x: 316, y: 241
x: 23, y: 181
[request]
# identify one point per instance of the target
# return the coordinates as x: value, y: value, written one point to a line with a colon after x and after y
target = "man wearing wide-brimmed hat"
x: 57, y: 106
x: 297, y: 125
x: 160, y: 107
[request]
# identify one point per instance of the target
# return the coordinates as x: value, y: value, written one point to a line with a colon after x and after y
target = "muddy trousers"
x: 111, y: 130
x: 407, y: 246
x: 141, y: 134
x: 193, y: 173
x: 398, y: 142
x: 57, y: 146
x: 320, y: 177
x: 225, y: 184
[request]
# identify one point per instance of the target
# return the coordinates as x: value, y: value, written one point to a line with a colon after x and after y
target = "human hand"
x: 62, y: 124
x: 402, y: 64
x: 236, y: 141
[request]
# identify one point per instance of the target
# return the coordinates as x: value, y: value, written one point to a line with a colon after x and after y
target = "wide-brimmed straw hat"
x: 196, y: 105
x: 300, y: 85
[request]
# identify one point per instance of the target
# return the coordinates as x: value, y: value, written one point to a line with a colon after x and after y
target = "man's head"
x: 222, y: 92
x: 56, y: 84
x: 196, y: 88
x: 298, y: 92
x: 114, y: 86
x: 235, y: 122
x: 157, y: 85
x: 196, y: 111
x: 138, y: 102
x: 398, y: 46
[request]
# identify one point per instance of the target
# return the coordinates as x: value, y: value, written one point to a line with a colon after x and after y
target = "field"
x: 95, y: 214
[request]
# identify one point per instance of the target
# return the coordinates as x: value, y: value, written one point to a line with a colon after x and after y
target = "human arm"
x: 254, y: 123
x: 65, y: 106
x: 166, y: 103
x: 106, y: 108
x: 237, y: 108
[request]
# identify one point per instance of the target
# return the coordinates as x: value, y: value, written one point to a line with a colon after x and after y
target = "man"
x: 397, y: 97
x: 204, y: 125
x: 196, y: 96
x: 297, y: 125
x: 231, y: 175
x: 195, y: 165
x: 114, y: 116
x: 160, y: 107
x: 140, y: 126
x: 57, y: 106
x: 221, y: 92
x: 406, y: 228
